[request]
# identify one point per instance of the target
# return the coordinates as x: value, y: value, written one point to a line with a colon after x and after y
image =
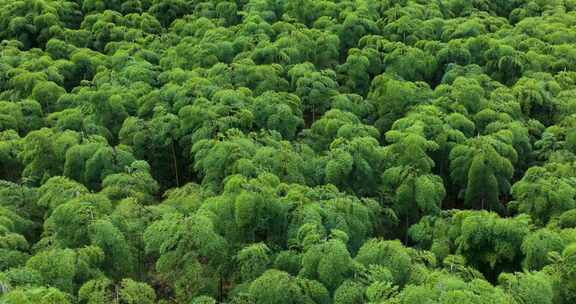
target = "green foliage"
x: 280, y: 112
x: 70, y: 222
x: 537, y: 246
x: 155, y: 142
x: 91, y: 162
x: 127, y: 292
x: 562, y: 273
x: 349, y: 292
x: 10, y: 166
x: 451, y: 290
x: 249, y: 214
x: 216, y: 159
x: 337, y: 124
x: 543, y: 194
x: 489, y: 241
x: 276, y: 151
x: 568, y: 219
x: 527, y: 287
x: 40, y: 295
x: 315, y: 88
x: 353, y: 165
x: 57, y: 191
x: 47, y: 94
x: 484, y: 166
x: 43, y: 153
x: 118, y: 256
x: 486, y: 241
x: 191, y: 254
x: 389, y: 254
x: 65, y: 268
x: 415, y: 191
x: 393, y: 98
x: 275, y: 286
x: 329, y: 263
x: 324, y: 212
x: 253, y: 260
x: 135, y: 183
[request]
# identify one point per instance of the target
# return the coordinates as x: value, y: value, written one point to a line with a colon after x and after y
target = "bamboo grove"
x: 288, y: 151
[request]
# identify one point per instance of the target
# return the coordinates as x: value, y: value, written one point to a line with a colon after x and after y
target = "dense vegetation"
x: 288, y: 151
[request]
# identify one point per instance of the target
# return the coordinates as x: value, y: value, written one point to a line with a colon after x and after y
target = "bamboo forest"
x: 288, y: 151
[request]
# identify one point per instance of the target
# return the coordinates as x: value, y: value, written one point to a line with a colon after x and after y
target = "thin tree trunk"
x: 406, y: 232
x: 175, y: 163
x: 220, y: 289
